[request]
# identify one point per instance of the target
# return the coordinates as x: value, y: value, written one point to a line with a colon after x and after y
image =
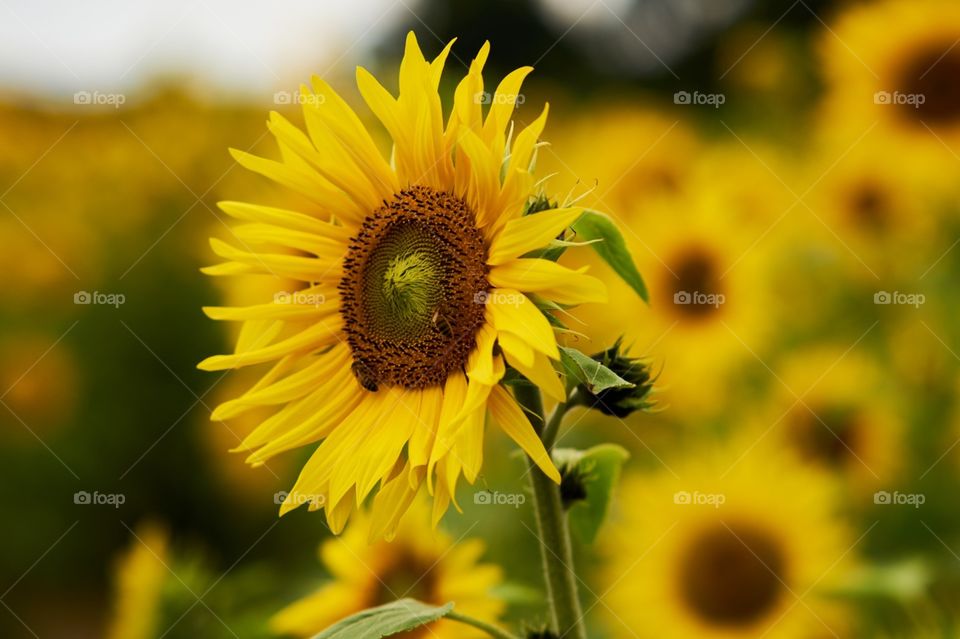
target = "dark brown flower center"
x: 829, y: 435
x: 412, y: 290
x: 694, y: 287
x: 869, y: 206
x: 732, y: 577
x: 407, y: 576
x: 933, y: 74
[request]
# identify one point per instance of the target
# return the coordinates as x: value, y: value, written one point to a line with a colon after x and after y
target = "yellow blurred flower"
x: 844, y: 420
x: 420, y: 563
x: 895, y: 64
x: 38, y: 381
x: 621, y: 156
x: 724, y: 547
x: 139, y: 579
x: 708, y: 307
x: 869, y: 209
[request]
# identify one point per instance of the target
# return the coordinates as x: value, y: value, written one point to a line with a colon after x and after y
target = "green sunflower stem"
x: 556, y: 550
x: 490, y: 629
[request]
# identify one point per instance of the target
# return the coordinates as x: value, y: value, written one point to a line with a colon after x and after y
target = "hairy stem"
x: 556, y: 550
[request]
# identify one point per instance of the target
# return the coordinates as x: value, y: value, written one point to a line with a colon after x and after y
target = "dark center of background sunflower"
x: 410, y: 290
x: 696, y: 276
x: 732, y: 576
x: 827, y: 434
x: 933, y: 73
x: 407, y: 576
x: 869, y: 206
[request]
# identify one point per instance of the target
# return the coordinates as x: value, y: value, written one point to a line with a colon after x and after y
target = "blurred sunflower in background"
x: 648, y: 154
x: 415, y: 292
x: 709, y: 309
x: 734, y: 541
x: 420, y: 563
x: 868, y: 207
x: 832, y: 408
x: 894, y: 65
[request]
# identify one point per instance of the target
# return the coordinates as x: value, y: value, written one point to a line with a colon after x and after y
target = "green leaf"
x: 599, y: 469
x: 582, y: 369
x: 613, y: 249
x: 386, y: 620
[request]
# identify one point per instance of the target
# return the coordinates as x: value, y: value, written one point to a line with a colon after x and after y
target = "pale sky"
x: 59, y: 47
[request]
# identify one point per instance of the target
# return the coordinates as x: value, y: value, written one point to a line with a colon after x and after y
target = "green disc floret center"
x: 412, y: 278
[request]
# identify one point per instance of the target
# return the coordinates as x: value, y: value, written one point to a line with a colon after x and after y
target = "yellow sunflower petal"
x: 511, y: 419
x: 512, y: 312
x: 522, y: 150
x: 484, y: 170
x: 289, y: 388
x: 324, y: 332
x: 454, y: 397
x: 504, y: 102
x: 334, y: 164
x: 307, y: 183
x: 392, y: 502
x: 541, y: 373
x: 551, y: 280
x: 530, y: 232
x: 305, y: 421
x: 329, y: 115
x: 284, y: 218
x: 515, y: 348
x: 482, y: 364
x: 424, y: 435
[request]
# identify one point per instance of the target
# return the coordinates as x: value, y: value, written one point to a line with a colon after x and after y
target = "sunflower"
x: 718, y: 547
x: 904, y: 79
x: 140, y: 576
x: 416, y: 291
x: 843, y: 421
x: 707, y: 298
x: 869, y: 209
x: 421, y: 563
x: 647, y: 155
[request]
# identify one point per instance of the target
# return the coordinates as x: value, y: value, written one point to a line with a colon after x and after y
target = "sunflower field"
x: 527, y: 319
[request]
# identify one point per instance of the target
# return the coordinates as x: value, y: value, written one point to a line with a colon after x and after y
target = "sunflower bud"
x: 620, y: 402
x: 573, y: 484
